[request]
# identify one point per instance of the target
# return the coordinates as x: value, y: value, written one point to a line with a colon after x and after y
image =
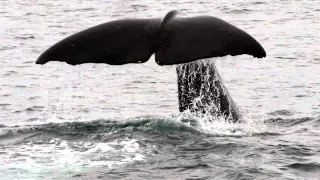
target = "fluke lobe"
x: 174, y: 40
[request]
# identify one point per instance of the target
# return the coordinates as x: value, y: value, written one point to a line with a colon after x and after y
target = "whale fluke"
x: 174, y: 40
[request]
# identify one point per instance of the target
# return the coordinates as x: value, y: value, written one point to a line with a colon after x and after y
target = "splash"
x: 201, y: 91
x: 220, y: 126
x: 203, y: 97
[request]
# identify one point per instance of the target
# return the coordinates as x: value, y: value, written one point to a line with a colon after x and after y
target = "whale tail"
x: 174, y: 40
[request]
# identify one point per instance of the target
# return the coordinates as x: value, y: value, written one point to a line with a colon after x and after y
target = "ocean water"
x: 96, y: 121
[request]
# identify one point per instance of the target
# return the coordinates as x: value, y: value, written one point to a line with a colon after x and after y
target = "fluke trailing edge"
x: 174, y: 40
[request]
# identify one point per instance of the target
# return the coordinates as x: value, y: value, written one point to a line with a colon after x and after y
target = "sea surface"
x: 97, y: 121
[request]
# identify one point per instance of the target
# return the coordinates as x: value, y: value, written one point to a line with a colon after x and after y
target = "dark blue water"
x: 122, y: 122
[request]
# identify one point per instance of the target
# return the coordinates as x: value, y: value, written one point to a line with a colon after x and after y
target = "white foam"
x: 60, y: 156
x: 130, y: 146
x: 221, y: 126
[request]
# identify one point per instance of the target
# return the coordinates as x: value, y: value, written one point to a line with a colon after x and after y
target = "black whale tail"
x: 174, y: 40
